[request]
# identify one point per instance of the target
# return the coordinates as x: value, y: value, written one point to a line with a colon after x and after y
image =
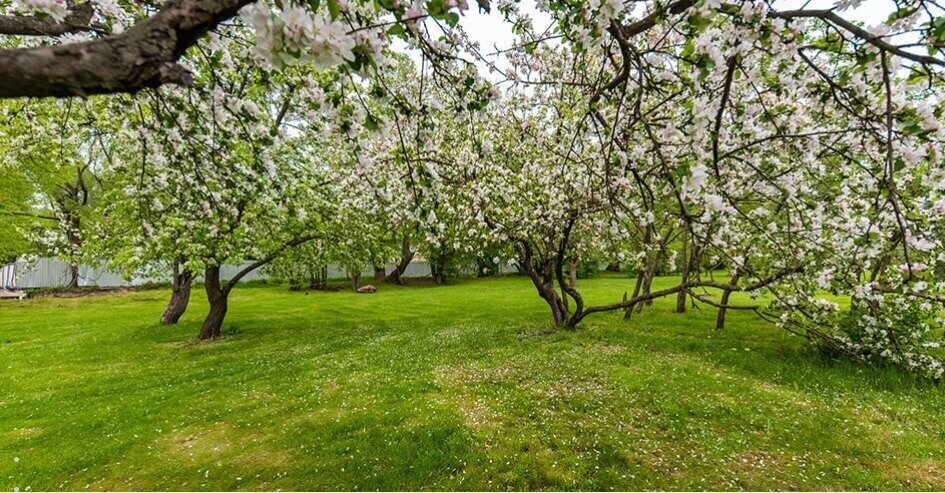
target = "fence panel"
x: 50, y: 272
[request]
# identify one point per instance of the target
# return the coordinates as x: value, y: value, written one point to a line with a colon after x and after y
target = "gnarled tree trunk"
x: 723, y: 305
x: 73, y: 277
x: 217, y: 295
x: 645, y: 277
x: 406, y: 255
x: 180, y: 296
x: 542, y: 273
x: 684, y: 274
x: 637, y: 286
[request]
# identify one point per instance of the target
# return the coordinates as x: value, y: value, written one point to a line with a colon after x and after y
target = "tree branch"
x: 829, y: 16
x: 143, y: 56
x: 265, y: 260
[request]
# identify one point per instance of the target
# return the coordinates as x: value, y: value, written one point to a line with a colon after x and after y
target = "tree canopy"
x: 743, y: 146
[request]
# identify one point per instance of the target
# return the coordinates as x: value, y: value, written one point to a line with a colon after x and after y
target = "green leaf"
x: 452, y: 18
x: 333, y: 9
x: 371, y: 123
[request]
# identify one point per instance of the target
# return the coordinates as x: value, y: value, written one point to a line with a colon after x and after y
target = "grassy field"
x: 455, y: 387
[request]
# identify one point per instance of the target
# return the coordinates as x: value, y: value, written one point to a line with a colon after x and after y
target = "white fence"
x: 48, y: 273
x: 8, y: 276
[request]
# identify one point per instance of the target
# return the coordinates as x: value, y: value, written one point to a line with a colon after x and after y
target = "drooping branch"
x: 759, y: 284
x: 143, y: 56
x: 265, y: 260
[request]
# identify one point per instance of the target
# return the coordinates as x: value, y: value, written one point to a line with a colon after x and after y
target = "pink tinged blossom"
x: 415, y: 11
x: 922, y: 244
x: 715, y: 203
x: 462, y: 5
x: 697, y: 178
x: 913, y: 267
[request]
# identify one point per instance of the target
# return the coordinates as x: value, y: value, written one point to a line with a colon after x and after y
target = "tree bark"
x: 218, y: 292
x: 73, y: 282
x: 180, y: 296
x: 143, y: 56
x: 217, y: 296
x: 406, y: 255
x: 720, y: 318
x: 319, y: 278
x: 684, y: 274
x: 75, y: 246
x: 637, y: 286
x: 541, y: 272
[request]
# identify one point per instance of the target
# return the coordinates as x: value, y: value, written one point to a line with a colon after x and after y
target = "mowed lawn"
x: 455, y: 387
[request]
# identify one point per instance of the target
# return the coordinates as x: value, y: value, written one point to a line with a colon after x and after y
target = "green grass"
x: 455, y: 387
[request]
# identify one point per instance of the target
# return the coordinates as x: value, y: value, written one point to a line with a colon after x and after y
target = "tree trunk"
x: 380, y: 271
x: 720, y: 318
x: 180, y: 296
x: 684, y: 274
x: 637, y: 286
x: 559, y: 311
x: 355, y: 279
x: 75, y: 248
x: 438, y: 270
x: 73, y: 277
x: 217, y: 297
x: 613, y: 267
x: 406, y: 255
x: 650, y: 268
x: 647, y: 286
x: 541, y: 273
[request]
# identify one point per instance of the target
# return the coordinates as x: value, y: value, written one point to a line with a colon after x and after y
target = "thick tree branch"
x: 265, y: 260
x: 143, y: 56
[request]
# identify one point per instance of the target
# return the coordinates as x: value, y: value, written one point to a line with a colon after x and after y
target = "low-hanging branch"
x: 269, y: 258
x: 144, y: 56
x: 761, y: 283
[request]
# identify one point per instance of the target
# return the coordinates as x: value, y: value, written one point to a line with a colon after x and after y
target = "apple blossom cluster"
x: 297, y: 35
